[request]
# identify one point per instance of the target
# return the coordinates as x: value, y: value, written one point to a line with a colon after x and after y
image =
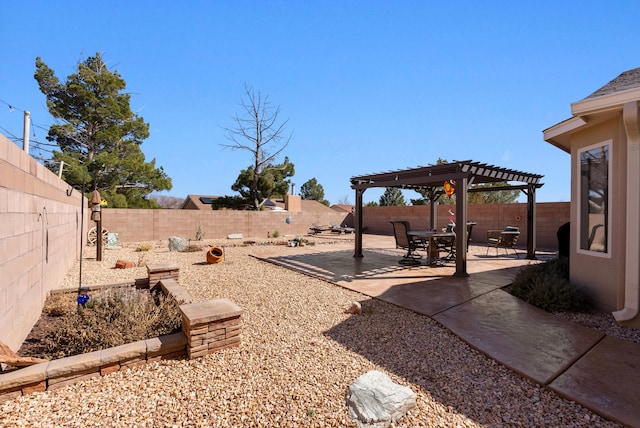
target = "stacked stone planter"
x: 211, y: 326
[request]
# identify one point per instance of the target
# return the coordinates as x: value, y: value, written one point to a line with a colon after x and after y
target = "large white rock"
x: 375, y: 401
x: 177, y: 243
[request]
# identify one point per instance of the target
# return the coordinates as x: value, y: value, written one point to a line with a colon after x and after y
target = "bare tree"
x: 259, y: 131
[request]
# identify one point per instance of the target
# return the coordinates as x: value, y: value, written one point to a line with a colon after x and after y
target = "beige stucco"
x: 613, y: 279
x: 602, y: 275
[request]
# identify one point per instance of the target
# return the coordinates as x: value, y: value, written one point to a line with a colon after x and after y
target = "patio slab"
x: 606, y: 380
x: 528, y: 340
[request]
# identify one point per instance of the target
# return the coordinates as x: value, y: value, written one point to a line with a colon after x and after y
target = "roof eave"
x: 603, y: 103
x: 559, y: 134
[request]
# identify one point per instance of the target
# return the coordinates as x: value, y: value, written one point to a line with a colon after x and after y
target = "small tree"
x: 271, y: 182
x: 312, y: 190
x: 493, y: 197
x: 259, y: 131
x: 98, y: 134
x: 392, y: 196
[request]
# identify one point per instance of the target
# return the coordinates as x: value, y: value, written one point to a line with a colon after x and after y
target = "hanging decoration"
x: 449, y: 188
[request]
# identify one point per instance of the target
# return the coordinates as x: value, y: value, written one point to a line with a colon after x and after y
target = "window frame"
x: 608, y: 215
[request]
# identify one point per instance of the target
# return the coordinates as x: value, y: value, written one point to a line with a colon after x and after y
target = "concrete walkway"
x: 581, y: 364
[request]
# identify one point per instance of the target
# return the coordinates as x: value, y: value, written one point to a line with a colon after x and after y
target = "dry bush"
x: 114, y: 317
x: 143, y: 247
x: 59, y: 304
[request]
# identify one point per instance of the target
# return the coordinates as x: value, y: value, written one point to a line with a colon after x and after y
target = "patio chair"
x: 507, y: 238
x: 405, y: 242
x: 470, y: 225
x: 447, y: 244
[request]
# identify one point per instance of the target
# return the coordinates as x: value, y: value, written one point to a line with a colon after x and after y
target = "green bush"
x: 114, y: 317
x: 546, y: 286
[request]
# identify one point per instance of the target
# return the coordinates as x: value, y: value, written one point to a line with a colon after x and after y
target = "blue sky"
x: 367, y: 86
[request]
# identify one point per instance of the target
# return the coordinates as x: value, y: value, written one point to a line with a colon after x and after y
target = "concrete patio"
x: 581, y: 364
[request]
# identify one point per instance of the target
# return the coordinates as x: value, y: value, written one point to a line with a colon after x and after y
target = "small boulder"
x: 355, y: 308
x: 376, y: 402
x: 124, y: 264
x: 177, y: 243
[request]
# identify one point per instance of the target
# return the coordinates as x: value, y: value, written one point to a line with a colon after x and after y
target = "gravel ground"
x: 300, y: 351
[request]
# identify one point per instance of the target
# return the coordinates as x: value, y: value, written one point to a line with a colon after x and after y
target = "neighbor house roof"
x: 343, y: 207
x: 198, y: 202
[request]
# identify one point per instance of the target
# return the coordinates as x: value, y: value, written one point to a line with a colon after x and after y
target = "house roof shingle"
x: 629, y: 79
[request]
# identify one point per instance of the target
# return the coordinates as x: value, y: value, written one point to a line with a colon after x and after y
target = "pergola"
x: 465, y: 174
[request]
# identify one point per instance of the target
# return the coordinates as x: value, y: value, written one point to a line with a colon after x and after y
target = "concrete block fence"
x: 39, y: 238
x: 152, y: 225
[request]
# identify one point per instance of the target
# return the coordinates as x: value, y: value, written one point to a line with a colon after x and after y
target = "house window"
x: 593, y: 200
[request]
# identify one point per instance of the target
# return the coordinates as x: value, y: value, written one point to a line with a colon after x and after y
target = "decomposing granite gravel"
x: 300, y: 352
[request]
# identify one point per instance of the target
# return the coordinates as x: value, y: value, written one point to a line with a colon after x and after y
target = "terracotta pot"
x: 214, y: 255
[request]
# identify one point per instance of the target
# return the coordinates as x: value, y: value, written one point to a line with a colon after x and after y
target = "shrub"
x: 143, y: 247
x: 546, y: 286
x: 199, y: 233
x: 276, y: 234
x: 114, y: 317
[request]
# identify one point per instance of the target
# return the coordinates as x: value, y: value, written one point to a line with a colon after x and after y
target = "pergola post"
x: 358, y: 223
x: 461, y: 227
x: 531, y: 222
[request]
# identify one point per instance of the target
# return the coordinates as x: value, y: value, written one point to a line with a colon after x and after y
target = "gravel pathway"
x: 300, y: 351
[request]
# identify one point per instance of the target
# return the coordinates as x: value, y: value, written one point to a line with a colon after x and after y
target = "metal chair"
x: 404, y: 241
x: 507, y: 238
x: 447, y: 244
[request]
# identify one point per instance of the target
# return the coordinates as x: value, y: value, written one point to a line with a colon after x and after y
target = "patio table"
x: 427, y: 235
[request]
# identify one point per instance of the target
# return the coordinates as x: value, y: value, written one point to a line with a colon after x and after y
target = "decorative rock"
x: 235, y: 236
x: 124, y: 264
x: 376, y: 402
x: 355, y: 308
x: 112, y: 239
x: 177, y: 243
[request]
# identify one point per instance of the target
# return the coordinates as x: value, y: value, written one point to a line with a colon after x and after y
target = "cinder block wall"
x: 39, y: 238
x: 134, y: 225
x: 150, y: 225
x: 549, y: 217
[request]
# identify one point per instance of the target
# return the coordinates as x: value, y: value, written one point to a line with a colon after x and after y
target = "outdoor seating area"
x: 439, y: 247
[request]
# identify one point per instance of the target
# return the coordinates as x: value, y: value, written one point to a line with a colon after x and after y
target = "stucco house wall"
x: 610, y: 115
x: 603, y: 276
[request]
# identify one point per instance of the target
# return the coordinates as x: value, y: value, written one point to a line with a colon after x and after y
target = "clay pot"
x: 214, y: 255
